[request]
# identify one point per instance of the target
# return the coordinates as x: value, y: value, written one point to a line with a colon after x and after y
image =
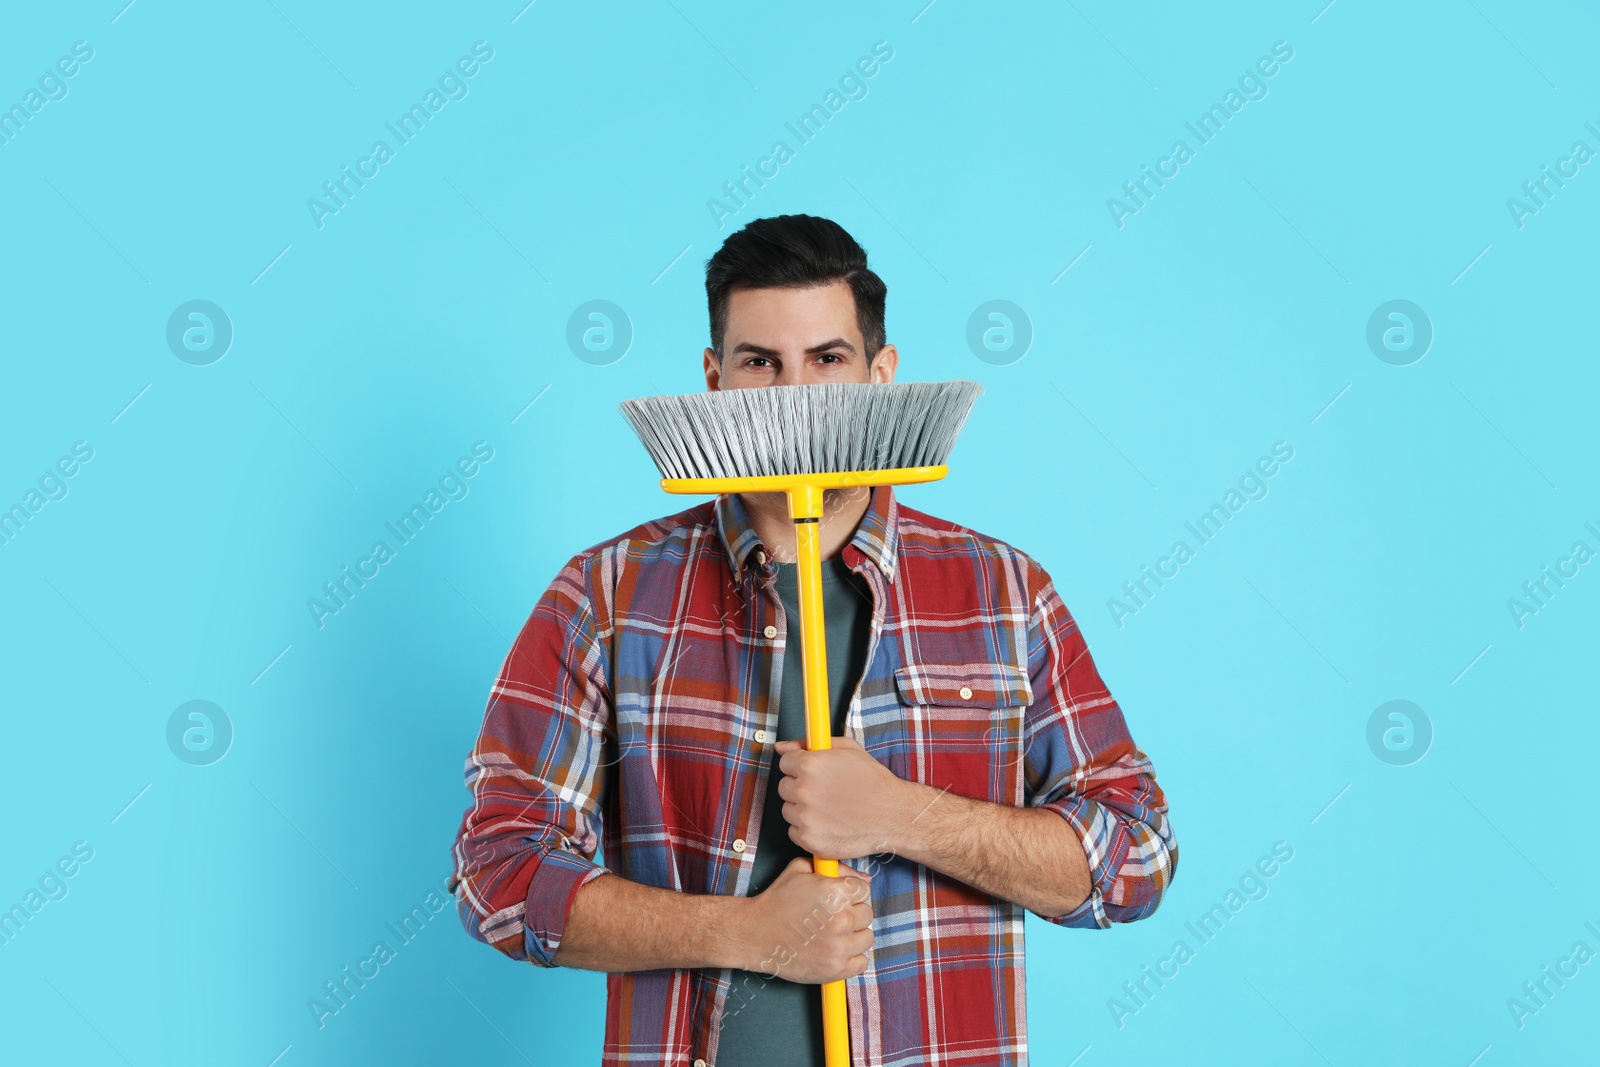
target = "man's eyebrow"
x: 837, y: 342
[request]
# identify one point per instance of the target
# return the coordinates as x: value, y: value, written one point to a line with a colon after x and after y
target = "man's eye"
x: 758, y: 361
x: 831, y: 357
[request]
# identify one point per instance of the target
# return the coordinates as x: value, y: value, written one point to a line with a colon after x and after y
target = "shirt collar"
x: 876, y: 537
x: 739, y: 538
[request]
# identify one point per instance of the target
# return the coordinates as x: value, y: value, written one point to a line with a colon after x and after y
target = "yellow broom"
x: 801, y: 440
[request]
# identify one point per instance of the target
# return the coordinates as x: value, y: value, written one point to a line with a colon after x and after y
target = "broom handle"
x: 806, y: 509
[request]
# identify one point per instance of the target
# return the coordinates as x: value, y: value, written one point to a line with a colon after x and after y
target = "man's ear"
x: 884, y: 364
x: 713, y: 371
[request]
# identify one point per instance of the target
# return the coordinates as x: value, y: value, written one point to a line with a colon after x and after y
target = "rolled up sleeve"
x: 537, y: 776
x: 1081, y: 762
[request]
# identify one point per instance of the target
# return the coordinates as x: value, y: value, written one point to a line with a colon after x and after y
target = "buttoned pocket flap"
x: 964, y: 685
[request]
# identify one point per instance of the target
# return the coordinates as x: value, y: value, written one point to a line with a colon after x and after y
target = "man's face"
x: 795, y: 337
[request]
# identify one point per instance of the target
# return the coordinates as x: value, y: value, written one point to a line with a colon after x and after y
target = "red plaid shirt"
x: 627, y: 711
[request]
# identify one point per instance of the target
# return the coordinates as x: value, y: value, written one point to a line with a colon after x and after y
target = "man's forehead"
x: 805, y: 316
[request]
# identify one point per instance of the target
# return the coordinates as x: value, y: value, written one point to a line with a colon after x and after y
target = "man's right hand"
x: 809, y: 928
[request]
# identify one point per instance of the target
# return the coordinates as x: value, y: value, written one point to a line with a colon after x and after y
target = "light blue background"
x: 1228, y: 314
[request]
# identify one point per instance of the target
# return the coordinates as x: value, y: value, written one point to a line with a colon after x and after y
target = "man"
x: 980, y: 769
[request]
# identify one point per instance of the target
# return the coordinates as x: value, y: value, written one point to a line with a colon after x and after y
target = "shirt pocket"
x: 963, y: 727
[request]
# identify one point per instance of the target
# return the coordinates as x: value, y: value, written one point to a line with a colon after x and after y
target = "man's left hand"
x: 840, y: 802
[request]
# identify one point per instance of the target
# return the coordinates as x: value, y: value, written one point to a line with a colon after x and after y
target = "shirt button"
x: 761, y: 557
x: 699, y: 1063
x: 738, y: 844
x: 761, y: 737
x: 770, y: 632
x: 966, y: 693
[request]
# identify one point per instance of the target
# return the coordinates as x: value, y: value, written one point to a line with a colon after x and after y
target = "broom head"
x: 827, y: 428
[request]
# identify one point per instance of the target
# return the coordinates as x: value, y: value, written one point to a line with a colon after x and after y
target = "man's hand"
x: 808, y: 927
x: 840, y: 802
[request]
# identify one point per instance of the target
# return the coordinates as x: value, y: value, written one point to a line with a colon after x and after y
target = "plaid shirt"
x: 627, y: 713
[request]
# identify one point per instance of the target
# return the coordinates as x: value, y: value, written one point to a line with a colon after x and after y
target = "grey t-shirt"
x: 767, y: 1021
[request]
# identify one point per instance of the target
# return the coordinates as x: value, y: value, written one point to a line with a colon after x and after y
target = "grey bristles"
x: 830, y: 427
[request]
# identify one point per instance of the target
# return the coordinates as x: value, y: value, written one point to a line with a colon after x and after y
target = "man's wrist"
x: 729, y: 929
x: 912, y: 821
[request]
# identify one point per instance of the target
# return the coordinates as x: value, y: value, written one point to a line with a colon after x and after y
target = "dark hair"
x: 794, y: 252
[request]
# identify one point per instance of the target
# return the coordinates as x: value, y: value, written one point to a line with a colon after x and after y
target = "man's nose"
x: 790, y: 372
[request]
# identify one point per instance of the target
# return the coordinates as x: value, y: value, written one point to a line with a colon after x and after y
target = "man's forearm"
x: 1029, y: 856
x: 618, y: 925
